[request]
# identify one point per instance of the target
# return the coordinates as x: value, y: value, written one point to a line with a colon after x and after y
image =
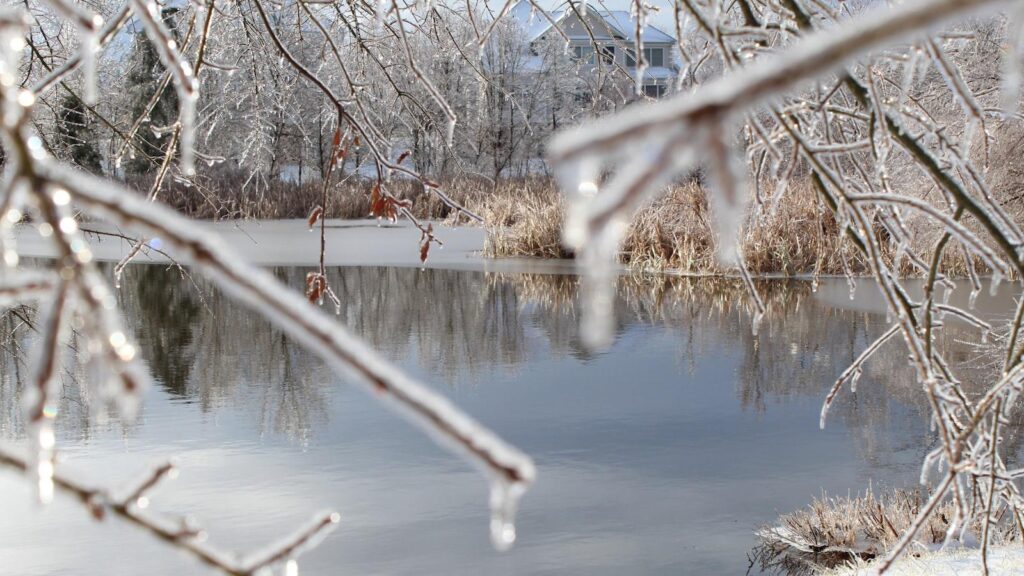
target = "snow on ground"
x: 1008, y: 561
x: 291, y: 243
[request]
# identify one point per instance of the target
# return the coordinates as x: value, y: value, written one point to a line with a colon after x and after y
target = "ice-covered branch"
x: 263, y: 293
x: 182, y: 533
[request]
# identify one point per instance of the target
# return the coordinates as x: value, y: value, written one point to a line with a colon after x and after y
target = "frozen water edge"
x: 291, y: 243
x: 1004, y: 561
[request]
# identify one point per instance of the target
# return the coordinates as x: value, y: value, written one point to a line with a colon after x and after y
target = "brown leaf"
x: 403, y: 156
x: 316, y: 285
x: 426, y: 238
x: 376, y: 204
x: 314, y: 216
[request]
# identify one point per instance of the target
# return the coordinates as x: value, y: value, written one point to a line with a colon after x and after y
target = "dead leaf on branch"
x: 316, y: 285
x: 384, y: 205
x: 315, y: 216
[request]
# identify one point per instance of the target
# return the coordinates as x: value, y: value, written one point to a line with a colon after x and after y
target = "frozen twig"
x: 181, y: 534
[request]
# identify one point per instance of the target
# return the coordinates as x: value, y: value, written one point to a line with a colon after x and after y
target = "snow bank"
x: 290, y: 243
x: 1006, y: 561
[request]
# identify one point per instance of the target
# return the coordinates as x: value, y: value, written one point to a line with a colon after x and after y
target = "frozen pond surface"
x: 659, y: 456
x: 292, y: 243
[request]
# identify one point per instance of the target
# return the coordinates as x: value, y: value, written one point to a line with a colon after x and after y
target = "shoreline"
x: 1003, y: 561
x: 385, y: 244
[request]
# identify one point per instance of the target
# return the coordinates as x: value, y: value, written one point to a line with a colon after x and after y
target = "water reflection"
x: 459, y: 325
x: 660, y: 455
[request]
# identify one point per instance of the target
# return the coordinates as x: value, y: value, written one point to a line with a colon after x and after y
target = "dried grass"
x: 834, y: 532
x: 230, y: 194
x: 794, y: 236
x: 675, y: 232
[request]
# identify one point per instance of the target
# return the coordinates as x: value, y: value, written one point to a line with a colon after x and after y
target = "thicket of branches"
x: 902, y: 127
x: 263, y: 115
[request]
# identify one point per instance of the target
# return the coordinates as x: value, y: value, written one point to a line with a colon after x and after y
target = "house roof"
x: 534, y: 24
x: 621, y: 22
x: 625, y: 24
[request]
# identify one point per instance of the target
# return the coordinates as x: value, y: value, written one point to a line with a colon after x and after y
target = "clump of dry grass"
x: 228, y: 194
x: 675, y: 232
x: 524, y: 218
x: 793, y: 236
x: 833, y: 532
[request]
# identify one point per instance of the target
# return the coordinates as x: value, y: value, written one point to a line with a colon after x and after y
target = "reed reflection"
x: 457, y: 327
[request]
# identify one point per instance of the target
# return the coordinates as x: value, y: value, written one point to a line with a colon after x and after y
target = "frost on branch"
x: 76, y: 296
x: 830, y: 96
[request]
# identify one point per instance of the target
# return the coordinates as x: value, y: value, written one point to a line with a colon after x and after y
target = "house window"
x: 584, y: 54
x: 608, y: 54
x: 654, y: 90
x: 654, y: 56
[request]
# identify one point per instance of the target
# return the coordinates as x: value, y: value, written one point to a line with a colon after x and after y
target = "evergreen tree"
x: 143, y: 81
x: 75, y: 136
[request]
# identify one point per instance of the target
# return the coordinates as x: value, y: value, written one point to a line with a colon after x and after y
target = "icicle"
x: 90, y: 45
x: 970, y: 130
x: 597, y: 286
x: 504, y: 502
x: 581, y: 181
x: 7, y: 222
x: 780, y: 190
x: 997, y: 279
x: 854, y: 379
x: 755, y: 323
x: 909, y: 74
x: 928, y: 464
x: 814, y: 285
x: 188, y: 133
x: 382, y: 9
x: 728, y: 198
x: 973, y: 298
x: 853, y: 287
x: 901, y: 252
x: 450, y: 132
x: 1009, y: 99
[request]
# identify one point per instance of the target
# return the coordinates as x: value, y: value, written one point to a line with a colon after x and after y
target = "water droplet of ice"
x: 997, y: 279
x: 755, y: 323
x: 504, y: 502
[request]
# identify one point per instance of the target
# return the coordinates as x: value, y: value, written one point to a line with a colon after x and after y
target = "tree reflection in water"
x: 457, y: 325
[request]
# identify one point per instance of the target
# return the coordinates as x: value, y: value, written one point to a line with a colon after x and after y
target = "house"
x: 611, y: 37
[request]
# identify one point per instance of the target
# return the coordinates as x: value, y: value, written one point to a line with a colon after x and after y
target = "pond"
x: 661, y: 455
